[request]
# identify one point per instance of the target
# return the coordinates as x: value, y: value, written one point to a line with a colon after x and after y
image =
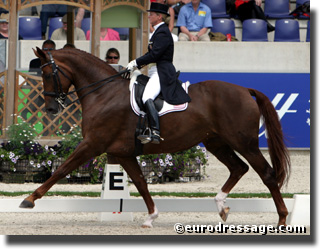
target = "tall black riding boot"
x: 153, y: 118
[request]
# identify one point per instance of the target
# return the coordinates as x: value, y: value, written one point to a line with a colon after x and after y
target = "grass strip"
x: 162, y: 194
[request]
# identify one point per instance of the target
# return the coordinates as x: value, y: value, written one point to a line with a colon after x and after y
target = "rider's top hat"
x: 159, y: 8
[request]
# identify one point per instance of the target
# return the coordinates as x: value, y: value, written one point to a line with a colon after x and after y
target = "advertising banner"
x: 288, y: 92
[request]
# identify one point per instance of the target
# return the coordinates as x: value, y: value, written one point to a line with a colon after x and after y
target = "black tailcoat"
x: 160, y: 51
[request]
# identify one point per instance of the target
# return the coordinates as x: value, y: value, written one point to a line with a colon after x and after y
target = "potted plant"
x: 181, y: 166
x: 22, y: 158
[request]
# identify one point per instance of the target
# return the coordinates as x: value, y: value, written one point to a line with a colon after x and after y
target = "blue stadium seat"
x: 30, y: 28
x: 308, y: 32
x: 218, y: 8
x: 225, y: 26
x: 85, y: 24
x: 123, y: 33
x: 277, y: 9
x: 287, y: 30
x: 54, y: 23
x: 254, y: 30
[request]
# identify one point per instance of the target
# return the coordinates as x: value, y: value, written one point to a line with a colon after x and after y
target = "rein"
x: 60, y: 96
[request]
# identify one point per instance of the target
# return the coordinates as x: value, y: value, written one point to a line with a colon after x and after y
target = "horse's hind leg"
x: 236, y: 167
x: 268, y: 176
x: 133, y: 169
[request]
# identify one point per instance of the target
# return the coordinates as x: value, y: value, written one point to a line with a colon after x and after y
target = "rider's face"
x: 154, y: 18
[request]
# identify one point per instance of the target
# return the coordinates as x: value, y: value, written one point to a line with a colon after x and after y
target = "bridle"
x: 58, y: 93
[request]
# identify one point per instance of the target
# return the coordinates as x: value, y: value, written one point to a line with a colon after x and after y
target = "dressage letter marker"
x: 115, y: 186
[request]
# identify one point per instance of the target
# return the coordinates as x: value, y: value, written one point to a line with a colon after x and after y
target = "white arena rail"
x: 115, y: 198
x: 298, y: 207
x: 137, y: 205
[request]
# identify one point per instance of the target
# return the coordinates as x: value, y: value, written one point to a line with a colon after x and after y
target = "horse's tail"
x: 277, y: 149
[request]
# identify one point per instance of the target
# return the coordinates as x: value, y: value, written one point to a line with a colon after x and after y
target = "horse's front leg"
x: 133, y: 169
x: 78, y: 157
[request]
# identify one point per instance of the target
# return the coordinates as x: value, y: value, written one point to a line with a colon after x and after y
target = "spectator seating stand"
x: 30, y: 28
x: 218, y: 8
x: 225, y: 26
x: 277, y: 9
x: 287, y: 30
x: 54, y: 23
x: 254, y: 30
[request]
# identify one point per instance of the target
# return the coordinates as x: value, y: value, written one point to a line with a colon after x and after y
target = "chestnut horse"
x: 223, y: 116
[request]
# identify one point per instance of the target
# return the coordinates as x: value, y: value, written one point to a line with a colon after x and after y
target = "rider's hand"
x: 132, y: 65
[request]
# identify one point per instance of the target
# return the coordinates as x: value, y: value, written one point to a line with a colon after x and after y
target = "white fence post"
x: 115, y: 186
x: 300, y: 214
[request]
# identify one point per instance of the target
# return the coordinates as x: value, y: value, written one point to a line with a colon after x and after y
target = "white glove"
x: 132, y: 65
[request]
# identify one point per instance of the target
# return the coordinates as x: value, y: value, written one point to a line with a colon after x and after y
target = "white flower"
x: 38, y: 165
x: 143, y: 164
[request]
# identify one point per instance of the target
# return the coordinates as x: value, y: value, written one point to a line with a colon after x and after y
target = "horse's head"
x: 56, y: 81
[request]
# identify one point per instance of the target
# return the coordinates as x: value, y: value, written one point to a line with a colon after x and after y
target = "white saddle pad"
x: 167, y: 108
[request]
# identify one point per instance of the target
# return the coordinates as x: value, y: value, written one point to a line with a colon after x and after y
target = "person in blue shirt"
x: 194, y: 21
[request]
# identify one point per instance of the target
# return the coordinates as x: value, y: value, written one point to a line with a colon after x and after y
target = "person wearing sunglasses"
x: 34, y: 65
x: 113, y: 57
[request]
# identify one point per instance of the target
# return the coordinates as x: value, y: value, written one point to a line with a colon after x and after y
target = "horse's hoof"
x: 26, y: 204
x: 224, y: 213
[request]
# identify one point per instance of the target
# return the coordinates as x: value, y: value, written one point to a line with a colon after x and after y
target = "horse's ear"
x: 39, y: 53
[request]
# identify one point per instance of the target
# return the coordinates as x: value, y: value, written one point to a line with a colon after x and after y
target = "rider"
x: 162, y: 73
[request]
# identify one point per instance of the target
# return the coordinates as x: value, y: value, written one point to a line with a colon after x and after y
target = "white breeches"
x: 153, y: 87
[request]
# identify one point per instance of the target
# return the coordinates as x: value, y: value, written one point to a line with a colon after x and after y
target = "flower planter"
x: 12, y: 178
x: 24, y: 171
x: 155, y: 173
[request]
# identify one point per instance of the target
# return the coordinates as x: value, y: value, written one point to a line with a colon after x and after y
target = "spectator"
x: 4, y: 26
x: 248, y: 9
x: 177, y: 5
x: 169, y: 21
x: 50, y: 10
x: 113, y: 57
x: 82, y: 13
x: 69, y: 46
x: 61, y: 33
x: 194, y: 21
x: 34, y: 65
x: 106, y: 34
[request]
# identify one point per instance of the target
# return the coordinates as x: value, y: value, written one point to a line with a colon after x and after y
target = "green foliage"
x: 176, y: 165
x: 69, y: 142
x: 22, y: 145
x: 20, y: 132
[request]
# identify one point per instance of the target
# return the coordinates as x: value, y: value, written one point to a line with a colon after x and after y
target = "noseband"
x: 58, y: 93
